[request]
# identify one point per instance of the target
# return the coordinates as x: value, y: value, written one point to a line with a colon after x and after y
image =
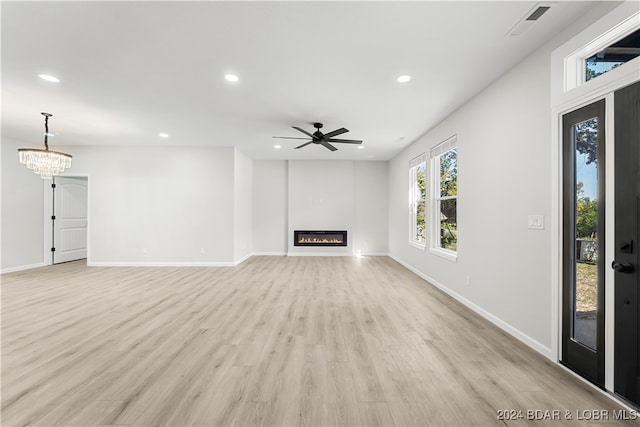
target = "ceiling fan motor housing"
x: 317, y: 135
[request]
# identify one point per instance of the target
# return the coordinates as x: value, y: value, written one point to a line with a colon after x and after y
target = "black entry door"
x: 627, y: 243
x: 583, y: 241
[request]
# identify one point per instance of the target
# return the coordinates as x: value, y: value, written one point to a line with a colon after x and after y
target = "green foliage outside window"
x: 586, y: 137
x: 449, y: 207
x: 586, y: 215
x: 421, y: 223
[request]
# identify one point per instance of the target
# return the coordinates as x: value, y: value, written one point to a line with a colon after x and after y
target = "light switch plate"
x: 536, y: 222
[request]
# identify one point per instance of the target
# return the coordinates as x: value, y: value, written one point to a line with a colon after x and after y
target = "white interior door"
x: 69, y: 219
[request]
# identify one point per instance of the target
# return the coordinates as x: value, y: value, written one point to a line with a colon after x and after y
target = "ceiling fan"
x: 323, y: 139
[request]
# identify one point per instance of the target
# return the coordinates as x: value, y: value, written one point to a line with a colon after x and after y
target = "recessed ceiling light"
x: 403, y: 78
x: 49, y: 78
x: 360, y: 147
x: 231, y: 78
x: 163, y: 135
x: 277, y: 146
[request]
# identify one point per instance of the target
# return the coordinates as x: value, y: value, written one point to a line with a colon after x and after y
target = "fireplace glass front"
x: 319, y: 238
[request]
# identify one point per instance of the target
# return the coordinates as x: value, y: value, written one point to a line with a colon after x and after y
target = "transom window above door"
x: 612, y: 56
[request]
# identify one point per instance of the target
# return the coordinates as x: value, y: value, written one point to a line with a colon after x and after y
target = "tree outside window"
x: 418, y: 198
x: 444, y: 198
x: 448, y: 200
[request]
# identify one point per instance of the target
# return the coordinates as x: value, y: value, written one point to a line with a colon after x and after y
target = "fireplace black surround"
x: 319, y: 238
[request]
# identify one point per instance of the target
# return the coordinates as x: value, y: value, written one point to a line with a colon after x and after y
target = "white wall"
x: 371, y: 207
x: 175, y: 203
x: 22, y: 218
x: 503, y: 176
x: 195, y: 206
x: 326, y: 194
x: 243, y: 209
x: 321, y: 197
x: 270, y: 207
x: 504, y: 154
x: 339, y: 195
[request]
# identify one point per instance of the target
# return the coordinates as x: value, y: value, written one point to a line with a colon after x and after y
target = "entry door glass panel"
x: 585, y: 304
x: 583, y: 241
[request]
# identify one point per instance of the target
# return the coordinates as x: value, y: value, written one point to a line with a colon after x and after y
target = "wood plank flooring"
x: 279, y: 341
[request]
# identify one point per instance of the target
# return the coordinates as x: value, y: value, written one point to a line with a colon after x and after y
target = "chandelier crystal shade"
x: 45, y: 163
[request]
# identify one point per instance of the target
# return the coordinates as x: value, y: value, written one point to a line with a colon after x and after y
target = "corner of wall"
x: 243, y: 206
x: 22, y: 212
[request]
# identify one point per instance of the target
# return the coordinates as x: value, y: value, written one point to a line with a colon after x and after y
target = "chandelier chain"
x: 46, y: 131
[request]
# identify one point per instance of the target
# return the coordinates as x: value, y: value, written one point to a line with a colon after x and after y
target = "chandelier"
x: 45, y: 163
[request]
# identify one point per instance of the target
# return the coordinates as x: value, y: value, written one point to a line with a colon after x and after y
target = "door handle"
x: 622, y: 267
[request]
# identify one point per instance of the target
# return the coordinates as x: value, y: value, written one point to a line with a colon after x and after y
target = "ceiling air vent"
x: 532, y: 16
x: 541, y: 10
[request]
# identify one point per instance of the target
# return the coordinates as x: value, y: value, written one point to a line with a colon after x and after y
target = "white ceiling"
x: 130, y: 70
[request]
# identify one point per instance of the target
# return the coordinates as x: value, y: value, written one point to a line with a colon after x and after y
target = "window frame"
x: 575, y: 74
x: 435, y: 244
x: 415, y: 199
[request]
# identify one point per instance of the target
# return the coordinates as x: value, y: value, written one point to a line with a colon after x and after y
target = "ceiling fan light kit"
x: 324, y: 139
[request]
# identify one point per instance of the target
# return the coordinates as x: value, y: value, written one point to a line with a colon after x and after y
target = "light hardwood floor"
x: 274, y: 341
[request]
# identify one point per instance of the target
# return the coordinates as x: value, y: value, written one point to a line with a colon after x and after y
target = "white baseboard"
x: 243, y: 259
x: 516, y: 333
x: 22, y: 267
x: 269, y: 254
x: 159, y: 264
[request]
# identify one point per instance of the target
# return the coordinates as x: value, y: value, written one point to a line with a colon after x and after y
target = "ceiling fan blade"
x: 288, y: 137
x: 335, y: 133
x: 303, y: 131
x: 306, y: 143
x: 327, y: 145
x: 345, y: 141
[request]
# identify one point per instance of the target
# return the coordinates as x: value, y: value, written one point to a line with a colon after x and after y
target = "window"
x: 598, y: 58
x: 612, y: 56
x: 417, y: 201
x: 444, y: 199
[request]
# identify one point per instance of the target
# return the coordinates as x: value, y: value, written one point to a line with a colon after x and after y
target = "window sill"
x: 445, y: 253
x: 422, y: 246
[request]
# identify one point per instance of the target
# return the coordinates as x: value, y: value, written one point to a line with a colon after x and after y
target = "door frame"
x: 48, y: 208
x: 566, y: 97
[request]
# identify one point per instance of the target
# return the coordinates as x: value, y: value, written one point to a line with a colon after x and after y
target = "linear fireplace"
x: 319, y: 238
